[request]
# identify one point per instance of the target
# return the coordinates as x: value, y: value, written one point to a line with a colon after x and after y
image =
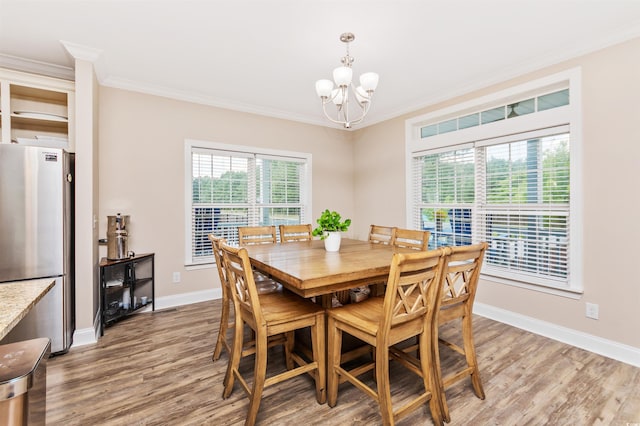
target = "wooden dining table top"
x: 307, y: 269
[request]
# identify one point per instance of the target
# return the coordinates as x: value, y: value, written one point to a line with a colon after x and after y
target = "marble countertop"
x: 17, y: 298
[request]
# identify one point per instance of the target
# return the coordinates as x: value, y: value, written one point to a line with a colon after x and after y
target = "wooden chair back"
x: 248, y: 235
x: 217, y: 255
x: 381, y: 234
x: 413, y: 290
x: 461, y: 281
x: 411, y: 238
x: 300, y: 232
x: 242, y: 285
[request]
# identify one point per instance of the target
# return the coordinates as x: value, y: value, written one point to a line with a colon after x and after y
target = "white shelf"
x: 36, y: 110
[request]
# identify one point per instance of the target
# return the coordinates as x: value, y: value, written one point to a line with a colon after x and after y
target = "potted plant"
x: 330, y: 225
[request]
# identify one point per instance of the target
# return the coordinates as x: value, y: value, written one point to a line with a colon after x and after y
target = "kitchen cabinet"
x: 127, y: 286
x: 36, y: 110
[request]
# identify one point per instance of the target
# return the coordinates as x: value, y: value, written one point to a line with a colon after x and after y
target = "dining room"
x: 554, y: 315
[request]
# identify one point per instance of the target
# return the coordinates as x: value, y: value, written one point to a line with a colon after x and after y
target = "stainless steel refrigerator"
x: 36, y: 237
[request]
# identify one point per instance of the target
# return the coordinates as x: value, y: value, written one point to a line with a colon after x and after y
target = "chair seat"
x: 282, y: 307
x: 365, y: 315
x: 364, y: 319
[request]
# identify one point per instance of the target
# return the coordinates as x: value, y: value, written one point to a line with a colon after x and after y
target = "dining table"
x: 307, y: 269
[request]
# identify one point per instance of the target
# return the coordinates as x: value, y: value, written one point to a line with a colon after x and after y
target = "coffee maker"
x: 117, y: 237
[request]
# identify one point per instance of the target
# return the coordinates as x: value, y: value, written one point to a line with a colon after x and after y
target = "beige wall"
x: 142, y: 140
x: 611, y: 138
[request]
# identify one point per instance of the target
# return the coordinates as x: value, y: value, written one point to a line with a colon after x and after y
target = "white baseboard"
x: 88, y: 336
x: 187, y: 298
x: 609, y: 348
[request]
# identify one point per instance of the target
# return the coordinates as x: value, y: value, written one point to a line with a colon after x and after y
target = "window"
x: 523, y: 208
x: 511, y: 110
x: 513, y: 183
x: 232, y: 186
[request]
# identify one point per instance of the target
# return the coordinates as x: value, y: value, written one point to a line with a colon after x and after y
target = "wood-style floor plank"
x: 156, y: 369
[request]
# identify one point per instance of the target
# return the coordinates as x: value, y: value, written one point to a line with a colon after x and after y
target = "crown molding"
x: 89, y: 54
x: 36, y: 67
x: 80, y: 52
x: 136, y: 86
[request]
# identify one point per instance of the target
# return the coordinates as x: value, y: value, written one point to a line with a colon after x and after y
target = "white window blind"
x: 445, y: 180
x: 234, y: 188
x: 512, y: 192
x: 523, y: 208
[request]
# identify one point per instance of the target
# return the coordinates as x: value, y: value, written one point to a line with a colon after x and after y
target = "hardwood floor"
x: 156, y: 369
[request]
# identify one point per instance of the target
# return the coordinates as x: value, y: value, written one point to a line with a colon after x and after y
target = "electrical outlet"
x: 592, y: 310
x: 176, y: 277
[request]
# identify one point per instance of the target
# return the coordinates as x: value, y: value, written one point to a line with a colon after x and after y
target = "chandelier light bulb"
x: 369, y: 81
x: 342, y: 76
x: 361, y: 95
x: 337, y: 96
x: 324, y: 88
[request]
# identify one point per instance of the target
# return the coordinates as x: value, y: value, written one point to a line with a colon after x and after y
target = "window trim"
x: 570, y: 115
x: 193, y: 144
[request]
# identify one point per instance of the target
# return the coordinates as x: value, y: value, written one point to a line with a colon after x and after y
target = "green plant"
x: 330, y: 222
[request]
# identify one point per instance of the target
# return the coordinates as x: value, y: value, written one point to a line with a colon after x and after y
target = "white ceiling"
x: 265, y: 56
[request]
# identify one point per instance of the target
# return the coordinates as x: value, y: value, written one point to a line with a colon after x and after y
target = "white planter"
x: 332, y: 241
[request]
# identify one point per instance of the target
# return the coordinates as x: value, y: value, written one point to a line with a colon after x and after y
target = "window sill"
x: 570, y: 293
x: 196, y: 266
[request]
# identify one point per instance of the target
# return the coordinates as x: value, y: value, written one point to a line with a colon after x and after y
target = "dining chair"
x: 458, y: 294
x: 381, y: 234
x: 256, y: 235
x: 300, y: 232
x: 460, y: 282
x: 226, y: 321
x: 269, y: 315
x: 411, y: 299
x: 411, y: 238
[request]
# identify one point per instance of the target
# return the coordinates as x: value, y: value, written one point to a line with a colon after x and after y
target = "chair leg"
x: 317, y: 342
x: 222, y: 331
x: 438, y: 382
x: 260, y: 372
x: 470, y: 354
x: 432, y: 377
x: 234, y: 359
x: 333, y: 351
x: 288, y: 349
x: 384, y: 388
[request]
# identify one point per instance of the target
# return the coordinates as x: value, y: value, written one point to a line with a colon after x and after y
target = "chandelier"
x: 340, y: 95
